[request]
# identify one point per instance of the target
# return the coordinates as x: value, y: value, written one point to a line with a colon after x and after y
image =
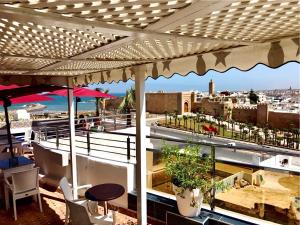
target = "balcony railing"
x: 263, y: 182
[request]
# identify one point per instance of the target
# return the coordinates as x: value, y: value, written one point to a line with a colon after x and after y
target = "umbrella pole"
x: 8, y: 130
x: 76, y: 107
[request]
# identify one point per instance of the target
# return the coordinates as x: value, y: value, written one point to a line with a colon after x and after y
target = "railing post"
x: 213, y: 172
x: 46, y: 134
x: 40, y: 135
x: 57, y: 138
x: 115, y: 122
x: 88, y: 141
x: 128, y: 148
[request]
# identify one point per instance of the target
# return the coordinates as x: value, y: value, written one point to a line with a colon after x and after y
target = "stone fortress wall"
x: 244, y: 114
x: 160, y: 103
x: 259, y: 115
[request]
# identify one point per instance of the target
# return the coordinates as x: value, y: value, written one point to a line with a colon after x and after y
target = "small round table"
x: 104, y: 193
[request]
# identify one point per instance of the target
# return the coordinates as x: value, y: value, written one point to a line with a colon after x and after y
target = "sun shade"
x: 83, y: 92
x: 29, y: 98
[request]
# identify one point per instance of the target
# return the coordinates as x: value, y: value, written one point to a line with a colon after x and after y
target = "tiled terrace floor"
x: 54, y: 211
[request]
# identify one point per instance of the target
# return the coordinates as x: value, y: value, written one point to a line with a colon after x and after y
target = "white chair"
x: 92, y: 207
x: 26, y: 145
x: 79, y: 216
x: 21, y: 184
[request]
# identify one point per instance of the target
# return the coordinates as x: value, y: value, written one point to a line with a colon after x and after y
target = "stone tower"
x: 211, y: 87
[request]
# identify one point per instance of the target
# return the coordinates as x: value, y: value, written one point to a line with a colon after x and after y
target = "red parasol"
x: 83, y: 92
x: 28, y: 99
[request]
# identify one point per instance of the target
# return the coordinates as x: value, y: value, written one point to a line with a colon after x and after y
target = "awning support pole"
x: 72, y: 137
x: 6, y: 104
x: 141, y: 168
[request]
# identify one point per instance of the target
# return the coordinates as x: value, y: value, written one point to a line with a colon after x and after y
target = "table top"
x: 21, y: 161
x: 104, y: 192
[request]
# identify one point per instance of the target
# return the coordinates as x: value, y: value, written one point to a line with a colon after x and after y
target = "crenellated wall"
x: 281, y: 120
x: 260, y: 115
x: 162, y: 102
x: 167, y: 102
x: 244, y: 114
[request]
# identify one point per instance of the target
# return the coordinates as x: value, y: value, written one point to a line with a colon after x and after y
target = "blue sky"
x: 259, y: 78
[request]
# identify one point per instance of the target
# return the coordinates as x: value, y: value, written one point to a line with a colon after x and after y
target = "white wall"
x: 90, y: 170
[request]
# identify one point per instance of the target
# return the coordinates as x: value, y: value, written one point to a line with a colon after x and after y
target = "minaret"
x: 211, y: 87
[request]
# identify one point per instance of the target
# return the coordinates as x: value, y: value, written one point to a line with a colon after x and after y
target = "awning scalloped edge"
x: 272, y: 55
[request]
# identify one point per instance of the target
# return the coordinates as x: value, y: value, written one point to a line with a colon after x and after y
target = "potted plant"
x: 190, y: 176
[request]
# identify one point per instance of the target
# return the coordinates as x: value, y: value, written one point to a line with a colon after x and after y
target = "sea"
x: 60, y: 104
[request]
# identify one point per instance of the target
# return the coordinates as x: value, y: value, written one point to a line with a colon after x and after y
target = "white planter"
x: 189, y: 203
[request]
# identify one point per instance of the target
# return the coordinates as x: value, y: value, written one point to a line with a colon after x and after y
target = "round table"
x: 104, y: 193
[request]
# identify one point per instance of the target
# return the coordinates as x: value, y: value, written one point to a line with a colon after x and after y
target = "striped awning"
x: 105, y: 41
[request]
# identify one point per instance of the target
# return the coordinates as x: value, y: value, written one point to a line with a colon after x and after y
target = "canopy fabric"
x: 94, y: 42
x: 273, y: 55
x: 14, y: 91
x: 83, y: 92
x: 28, y: 99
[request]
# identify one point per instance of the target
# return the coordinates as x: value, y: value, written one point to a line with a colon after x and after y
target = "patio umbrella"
x: 82, y: 92
x: 14, y: 94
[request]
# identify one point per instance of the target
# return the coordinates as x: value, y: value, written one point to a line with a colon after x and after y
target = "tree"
x: 100, y: 102
x: 250, y: 128
x: 241, y: 127
x: 184, y: 121
x: 166, y: 117
x: 176, y: 117
x: 255, y: 134
x: 223, y: 127
x: 127, y: 104
x: 253, y: 97
x: 232, y: 127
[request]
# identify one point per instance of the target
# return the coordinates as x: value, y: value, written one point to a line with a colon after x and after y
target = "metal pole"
x: 128, y: 148
x: 88, y: 141
x: 40, y: 135
x: 141, y: 168
x: 213, y: 173
x: 6, y: 104
x: 72, y: 137
x: 57, y: 138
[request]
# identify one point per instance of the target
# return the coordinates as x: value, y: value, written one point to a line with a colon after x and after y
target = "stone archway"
x: 186, y: 107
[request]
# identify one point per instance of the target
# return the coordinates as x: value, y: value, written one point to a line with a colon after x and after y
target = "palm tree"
x: 191, y: 119
x: 245, y: 132
x: 184, y: 121
x: 100, y: 101
x: 219, y: 119
x: 296, y: 131
x: 266, y: 132
x: 241, y: 127
x: 232, y: 126
x: 127, y: 104
x: 166, y: 117
x: 250, y: 128
x: 274, y: 132
x: 224, y: 127
x: 255, y: 134
x: 176, y: 117
x: 194, y: 120
x: 179, y: 120
x: 170, y: 118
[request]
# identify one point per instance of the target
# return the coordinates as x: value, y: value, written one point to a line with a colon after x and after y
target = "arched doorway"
x: 186, y: 107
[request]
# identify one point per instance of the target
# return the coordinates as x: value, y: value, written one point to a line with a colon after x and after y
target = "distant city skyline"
x: 259, y: 78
